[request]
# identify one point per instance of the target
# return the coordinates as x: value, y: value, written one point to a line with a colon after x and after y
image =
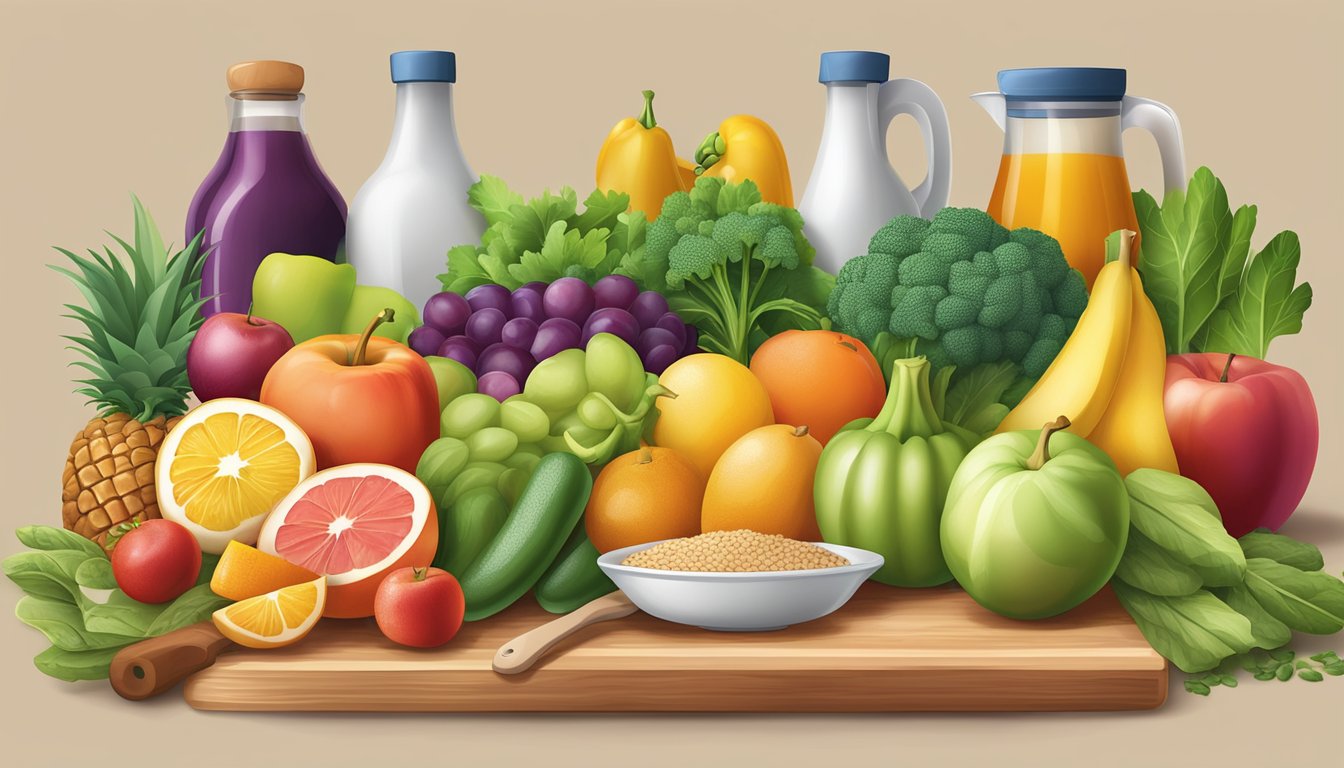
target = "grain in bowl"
x: 740, y: 551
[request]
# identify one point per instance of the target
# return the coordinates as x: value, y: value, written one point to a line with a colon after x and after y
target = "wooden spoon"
x: 152, y: 666
x: 520, y: 653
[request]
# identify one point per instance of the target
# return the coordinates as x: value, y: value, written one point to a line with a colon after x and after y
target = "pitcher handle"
x: 1159, y: 120
x: 904, y: 96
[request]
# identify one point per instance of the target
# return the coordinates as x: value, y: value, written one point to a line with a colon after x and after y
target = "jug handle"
x: 1159, y: 120
x: 904, y: 96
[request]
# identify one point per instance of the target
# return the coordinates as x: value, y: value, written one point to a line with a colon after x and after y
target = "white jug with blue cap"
x: 414, y: 208
x: 1063, y: 167
x: 854, y: 190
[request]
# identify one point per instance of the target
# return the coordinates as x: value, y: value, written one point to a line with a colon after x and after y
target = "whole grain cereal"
x: 735, y: 551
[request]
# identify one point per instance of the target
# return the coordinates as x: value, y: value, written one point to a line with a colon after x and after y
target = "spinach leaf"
x: 122, y: 615
x: 1182, y: 253
x: 1268, y: 631
x: 63, y: 624
x: 1307, y: 601
x: 1180, y: 517
x: 50, y: 539
x: 1196, y: 632
x: 1149, y: 568
x: 48, y: 573
x: 196, y: 604
x: 95, y: 573
x: 1267, y: 303
x: 75, y: 665
x: 1282, y: 549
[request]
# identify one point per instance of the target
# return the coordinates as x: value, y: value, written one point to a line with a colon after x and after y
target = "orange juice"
x: 1077, y: 198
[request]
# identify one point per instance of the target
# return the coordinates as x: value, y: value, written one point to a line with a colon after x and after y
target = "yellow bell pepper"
x: 638, y: 159
x: 746, y: 147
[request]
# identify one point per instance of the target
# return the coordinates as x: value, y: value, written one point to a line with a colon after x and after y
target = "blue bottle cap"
x: 424, y: 67
x: 1062, y: 84
x: 854, y: 66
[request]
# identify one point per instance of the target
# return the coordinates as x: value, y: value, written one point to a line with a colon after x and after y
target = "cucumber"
x: 468, y: 526
x: 550, y: 506
x: 574, y: 578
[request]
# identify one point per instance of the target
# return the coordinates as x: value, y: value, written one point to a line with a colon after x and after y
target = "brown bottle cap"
x: 265, y: 79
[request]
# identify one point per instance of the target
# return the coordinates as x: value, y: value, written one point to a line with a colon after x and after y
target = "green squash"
x: 1036, y: 522
x: 881, y: 483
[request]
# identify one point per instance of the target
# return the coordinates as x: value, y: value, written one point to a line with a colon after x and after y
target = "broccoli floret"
x: 968, y: 290
x: 738, y: 268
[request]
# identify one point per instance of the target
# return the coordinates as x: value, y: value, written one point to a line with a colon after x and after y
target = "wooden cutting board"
x: 888, y: 650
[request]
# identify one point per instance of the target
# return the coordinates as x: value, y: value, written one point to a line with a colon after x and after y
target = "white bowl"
x: 741, y: 601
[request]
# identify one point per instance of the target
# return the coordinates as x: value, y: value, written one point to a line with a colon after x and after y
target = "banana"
x: 1134, y: 429
x: 1082, y: 378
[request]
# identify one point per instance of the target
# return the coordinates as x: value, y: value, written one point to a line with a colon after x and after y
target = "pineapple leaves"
x: 143, y: 308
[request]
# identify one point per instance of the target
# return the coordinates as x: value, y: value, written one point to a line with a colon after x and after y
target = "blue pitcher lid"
x: 424, y: 67
x: 1062, y: 84
x: 854, y: 66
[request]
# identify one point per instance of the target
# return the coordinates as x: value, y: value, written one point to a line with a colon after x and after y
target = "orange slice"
x: 245, y: 572
x: 275, y: 619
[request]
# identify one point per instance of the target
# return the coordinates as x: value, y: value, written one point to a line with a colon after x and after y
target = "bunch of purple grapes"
x: 501, y: 336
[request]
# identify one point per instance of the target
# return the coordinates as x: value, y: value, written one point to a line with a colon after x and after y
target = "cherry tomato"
x: 156, y: 561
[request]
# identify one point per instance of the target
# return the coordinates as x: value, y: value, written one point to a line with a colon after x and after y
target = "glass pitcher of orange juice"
x: 1063, y: 167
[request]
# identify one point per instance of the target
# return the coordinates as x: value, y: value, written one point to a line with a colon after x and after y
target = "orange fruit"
x: 645, y: 495
x: 763, y: 482
x: 245, y: 572
x: 275, y: 619
x: 822, y: 379
x: 354, y: 524
x: 718, y: 400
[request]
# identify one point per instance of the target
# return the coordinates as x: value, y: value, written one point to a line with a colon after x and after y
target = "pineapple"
x: 138, y: 325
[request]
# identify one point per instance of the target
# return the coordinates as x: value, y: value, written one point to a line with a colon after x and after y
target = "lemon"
x: 718, y: 400
x: 226, y: 465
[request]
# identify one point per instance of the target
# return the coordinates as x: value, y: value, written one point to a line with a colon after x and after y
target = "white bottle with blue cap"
x: 414, y: 207
x: 854, y: 190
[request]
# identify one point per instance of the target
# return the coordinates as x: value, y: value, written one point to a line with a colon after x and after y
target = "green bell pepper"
x: 881, y: 482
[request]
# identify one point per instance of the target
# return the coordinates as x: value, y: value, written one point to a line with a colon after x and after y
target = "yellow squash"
x: 638, y: 159
x: 746, y: 147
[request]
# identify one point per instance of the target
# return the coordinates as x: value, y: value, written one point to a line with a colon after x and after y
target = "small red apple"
x: 419, y: 607
x: 231, y: 354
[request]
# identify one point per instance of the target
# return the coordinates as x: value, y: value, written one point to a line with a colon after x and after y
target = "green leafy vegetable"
x: 1306, y: 601
x: 1210, y: 293
x: 1196, y: 632
x: 1266, y: 303
x: 544, y: 238
x: 1180, y: 517
x: 1301, y: 555
x: 86, y: 634
x: 1268, y: 631
x: 738, y: 269
x: 1150, y: 568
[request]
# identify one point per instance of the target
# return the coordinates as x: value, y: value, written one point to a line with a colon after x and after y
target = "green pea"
x: 524, y: 419
x: 468, y: 414
x: 492, y: 444
x: 595, y: 414
x: 558, y: 383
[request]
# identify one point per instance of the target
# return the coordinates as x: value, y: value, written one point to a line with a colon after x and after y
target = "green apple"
x: 307, y: 295
x: 367, y: 301
x: 453, y: 378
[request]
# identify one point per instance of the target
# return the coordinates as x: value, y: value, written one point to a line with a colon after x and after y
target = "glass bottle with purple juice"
x: 266, y: 193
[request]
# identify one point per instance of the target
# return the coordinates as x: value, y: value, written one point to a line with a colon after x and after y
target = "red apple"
x: 231, y: 354
x: 419, y: 607
x: 1245, y: 430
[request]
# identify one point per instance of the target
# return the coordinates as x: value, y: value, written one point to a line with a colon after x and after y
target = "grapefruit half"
x: 355, y: 524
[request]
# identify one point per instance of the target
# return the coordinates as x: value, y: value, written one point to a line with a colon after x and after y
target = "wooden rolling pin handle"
x: 152, y: 666
x: 519, y: 654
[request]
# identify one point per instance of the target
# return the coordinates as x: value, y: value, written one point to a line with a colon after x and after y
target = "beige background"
x: 104, y: 98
